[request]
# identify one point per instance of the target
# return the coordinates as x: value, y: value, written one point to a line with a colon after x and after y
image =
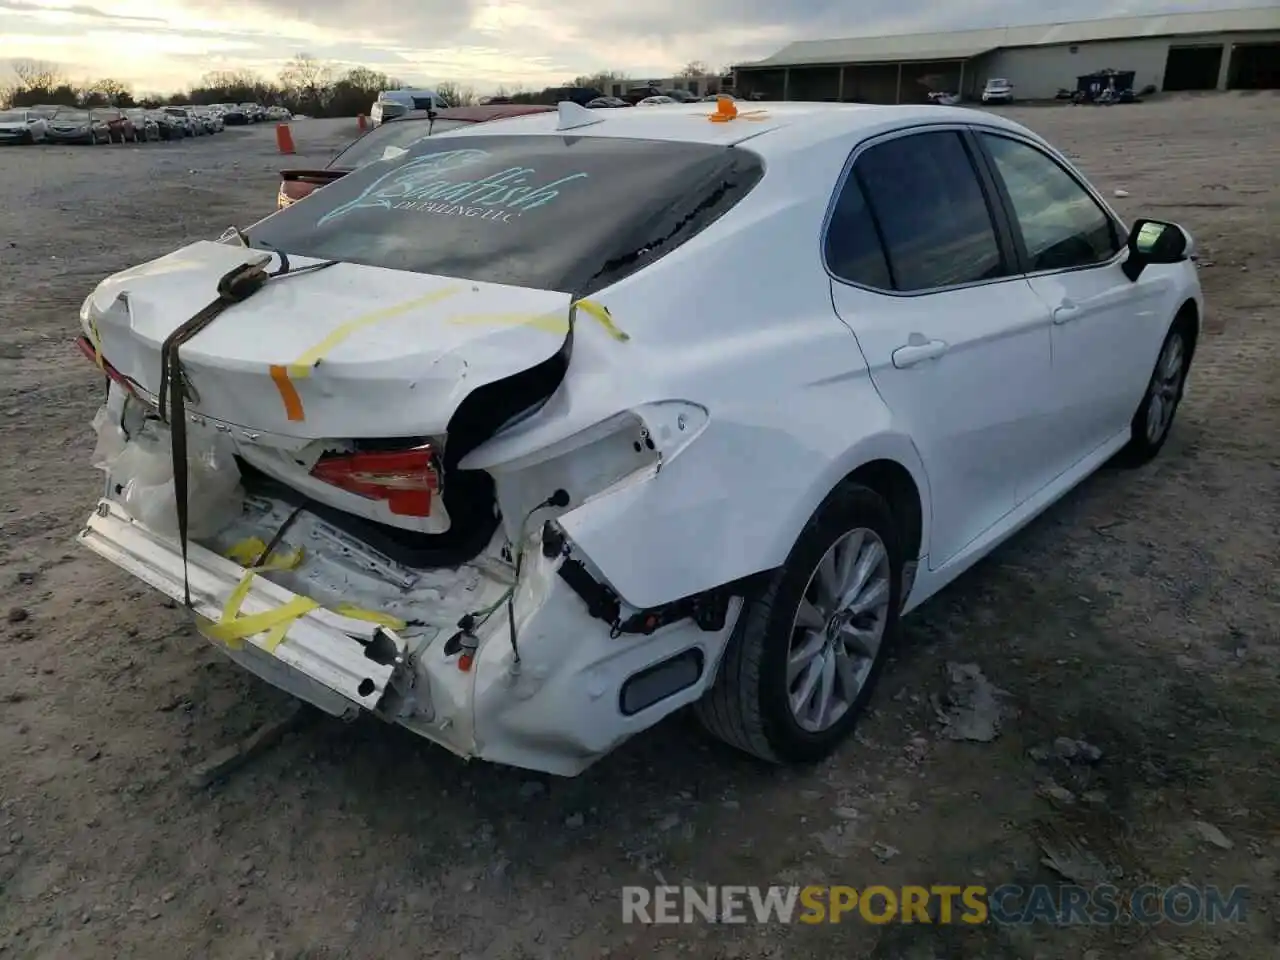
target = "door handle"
x: 918, y: 350
x: 1065, y: 311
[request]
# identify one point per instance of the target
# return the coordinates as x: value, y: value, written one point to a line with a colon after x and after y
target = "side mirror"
x: 1155, y: 241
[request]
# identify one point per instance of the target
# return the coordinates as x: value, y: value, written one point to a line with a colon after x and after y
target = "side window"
x: 1062, y: 225
x: 853, y: 247
x: 928, y: 202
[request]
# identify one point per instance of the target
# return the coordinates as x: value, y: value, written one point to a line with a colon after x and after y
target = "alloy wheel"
x: 1166, y: 388
x: 838, y: 629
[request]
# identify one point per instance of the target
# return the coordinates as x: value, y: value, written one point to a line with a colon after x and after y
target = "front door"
x: 1104, y: 325
x: 957, y: 346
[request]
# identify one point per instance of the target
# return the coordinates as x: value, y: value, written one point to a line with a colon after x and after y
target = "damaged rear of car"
x: 363, y: 464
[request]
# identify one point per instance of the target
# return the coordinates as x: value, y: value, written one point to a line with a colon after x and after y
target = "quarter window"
x: 853, y: 247
x: 933, y: 216
x: 1062, y: 225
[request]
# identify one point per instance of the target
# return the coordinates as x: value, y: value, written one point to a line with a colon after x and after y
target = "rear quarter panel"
x: 738, y: 320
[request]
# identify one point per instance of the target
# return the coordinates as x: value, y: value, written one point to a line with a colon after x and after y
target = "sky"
x: 162, y: 45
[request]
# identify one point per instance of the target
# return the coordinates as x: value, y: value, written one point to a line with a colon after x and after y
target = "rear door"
x: 1105, y: 328
x: 957, y: 344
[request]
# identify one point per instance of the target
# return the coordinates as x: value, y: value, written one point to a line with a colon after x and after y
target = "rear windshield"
x: 399, y: 133
x: 564, y: 213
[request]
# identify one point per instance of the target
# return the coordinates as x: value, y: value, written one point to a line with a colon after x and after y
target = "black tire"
x: 747, y: 705
x: 1146, y: 440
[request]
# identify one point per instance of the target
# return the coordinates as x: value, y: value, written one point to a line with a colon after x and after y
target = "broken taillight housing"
x: 406, y: 479
x: 87, y: 348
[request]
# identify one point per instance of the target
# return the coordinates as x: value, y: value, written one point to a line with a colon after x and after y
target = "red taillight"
x: 405, y: 479
x: 86, y: 347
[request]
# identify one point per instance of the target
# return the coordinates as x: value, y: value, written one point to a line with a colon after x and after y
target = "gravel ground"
x: 1141, y: 614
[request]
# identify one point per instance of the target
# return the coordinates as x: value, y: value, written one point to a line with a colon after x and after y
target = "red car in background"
x: 399, y: 132
x: 119, y: 127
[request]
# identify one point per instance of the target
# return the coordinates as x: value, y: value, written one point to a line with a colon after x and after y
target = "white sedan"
x: 478, y: 442
x: 23, y: 126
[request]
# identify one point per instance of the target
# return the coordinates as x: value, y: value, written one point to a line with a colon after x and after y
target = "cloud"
x: 482, y: 43
x: 71, y: 10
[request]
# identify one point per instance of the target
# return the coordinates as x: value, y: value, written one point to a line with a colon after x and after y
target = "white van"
x: 393, y: 103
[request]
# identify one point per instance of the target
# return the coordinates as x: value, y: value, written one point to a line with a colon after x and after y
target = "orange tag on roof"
x: 725, y: 111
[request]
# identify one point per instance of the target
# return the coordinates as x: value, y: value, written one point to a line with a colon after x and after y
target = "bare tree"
x: 456, y: 95
x: 307, y: 79
x: 112, y: 91
x: 694, y: 68
x: 602, y: 81
x: 36, y: 75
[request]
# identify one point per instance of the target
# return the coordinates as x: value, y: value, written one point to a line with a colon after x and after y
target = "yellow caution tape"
x: 549, y: 322
x: 546, y: 322
x: 247, y: 552
x: 232, y: 629
x: 601, y: 315
x: 369, y: 616
x: 301, y: 368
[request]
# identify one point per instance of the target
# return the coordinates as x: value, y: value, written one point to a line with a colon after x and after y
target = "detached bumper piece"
x: 337, y: 663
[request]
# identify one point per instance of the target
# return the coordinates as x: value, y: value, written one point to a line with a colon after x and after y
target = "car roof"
x: 477, y: 114
x: 772, y: 127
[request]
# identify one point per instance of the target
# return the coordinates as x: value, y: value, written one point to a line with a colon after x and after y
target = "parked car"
x: 607, y: 103
x: 656, y: 101
x: 120, y: 128
x: 22, y: 126
x: 144, y: 123
x: 396, y: 103
x: 182, y: 119
x: 71, y: 125
x: 578, y: 95
x: 235, y: 116
x: 482, y: 477
x: 168, y: 127
x: 393, y: 135
x: 997, y: 90
x: 210, y: 120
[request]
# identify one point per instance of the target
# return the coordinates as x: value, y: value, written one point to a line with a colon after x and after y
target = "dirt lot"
x: 1142, y: 614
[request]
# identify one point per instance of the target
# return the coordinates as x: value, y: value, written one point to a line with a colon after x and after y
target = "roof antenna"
x: 573, y: 115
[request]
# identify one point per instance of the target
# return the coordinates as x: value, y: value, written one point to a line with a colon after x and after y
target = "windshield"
x: 12, y: 116
x: 400, y: 133
x: 77, y: 116
x: 562, y: 213
x: 175, y: 111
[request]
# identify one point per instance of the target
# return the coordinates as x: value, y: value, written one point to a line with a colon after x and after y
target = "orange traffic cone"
x: 361, y: 122
x: 284, y: 139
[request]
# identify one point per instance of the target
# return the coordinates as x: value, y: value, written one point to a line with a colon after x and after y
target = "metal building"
x: 1214, y: 50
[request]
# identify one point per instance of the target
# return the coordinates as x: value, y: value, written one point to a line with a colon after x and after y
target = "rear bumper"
x: 323, y: 657
x: 576, y: 694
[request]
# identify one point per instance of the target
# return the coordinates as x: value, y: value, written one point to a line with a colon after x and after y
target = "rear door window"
x: 564, y: 213
x: 932, y: 212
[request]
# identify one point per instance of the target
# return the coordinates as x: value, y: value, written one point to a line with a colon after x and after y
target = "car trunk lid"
x: 350, y: 351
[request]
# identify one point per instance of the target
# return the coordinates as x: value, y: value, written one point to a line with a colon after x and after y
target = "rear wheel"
x: 1153, y: 420
x: 807, y: 652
